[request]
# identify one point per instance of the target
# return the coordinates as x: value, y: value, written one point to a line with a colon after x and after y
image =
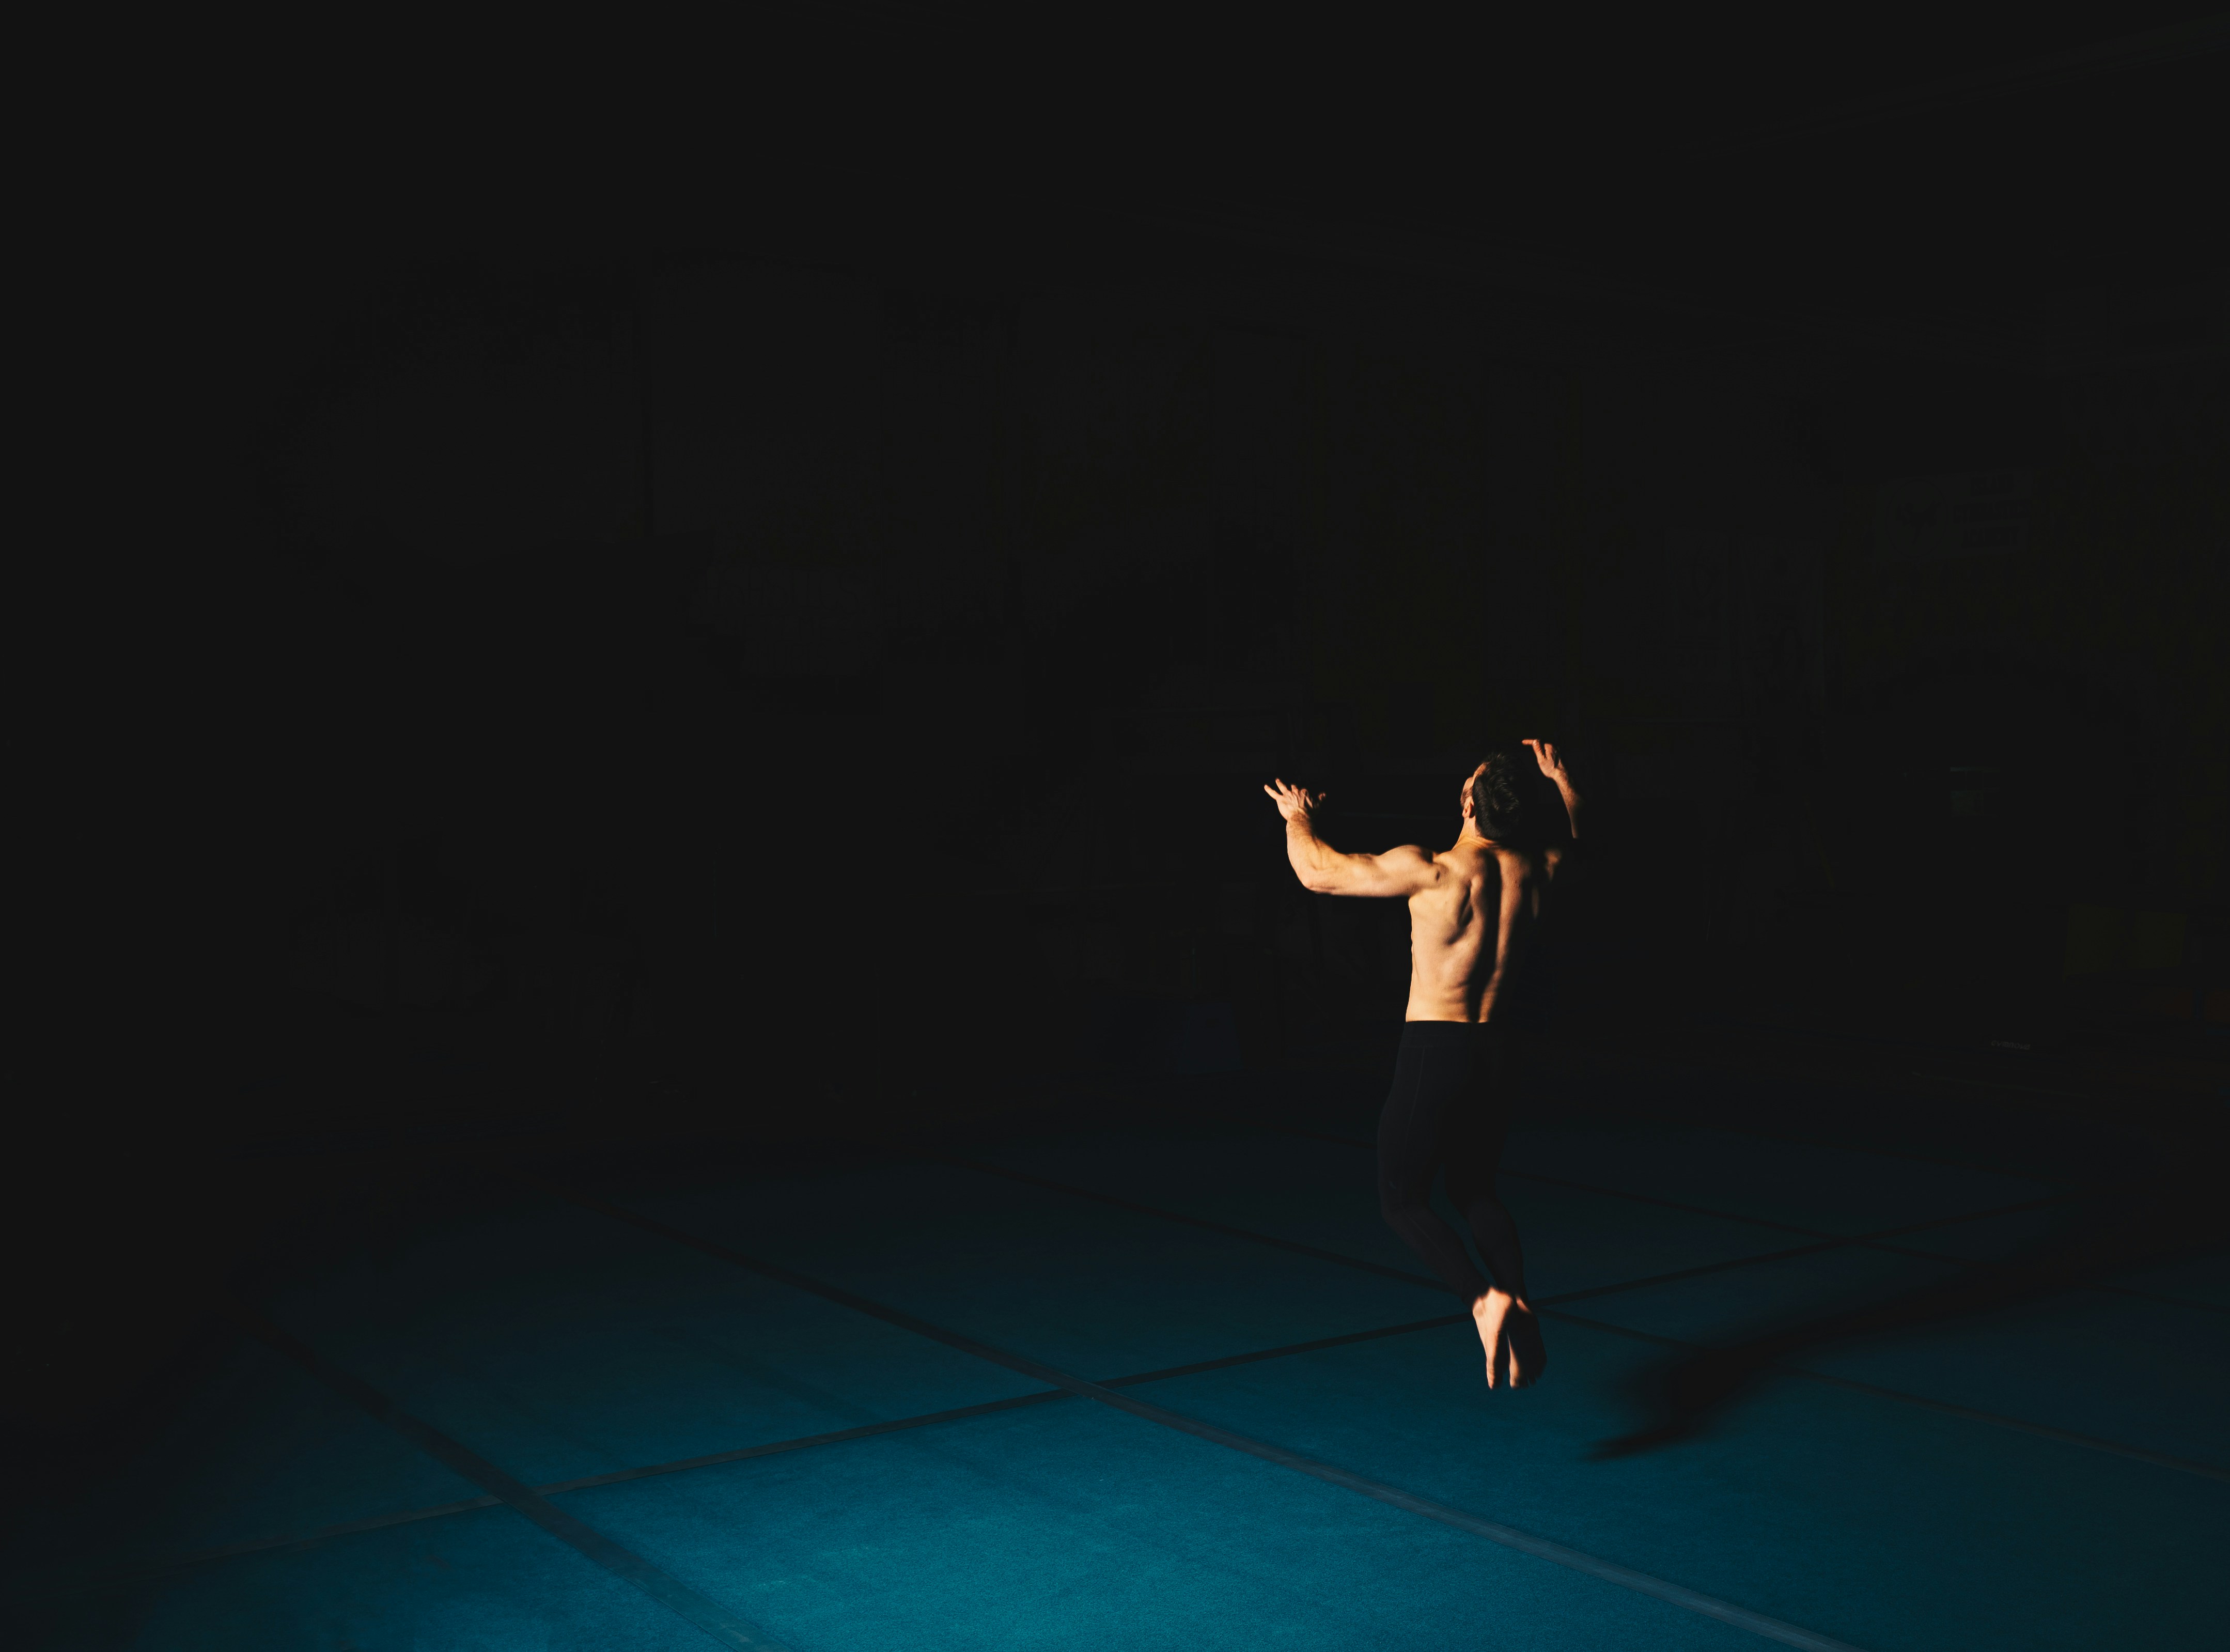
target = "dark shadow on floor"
x: 2141, y: 1220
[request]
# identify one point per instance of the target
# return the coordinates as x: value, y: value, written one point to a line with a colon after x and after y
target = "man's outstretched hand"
x: 1552, y: 765
x: 1294, y: 802
x: 1552, y: 762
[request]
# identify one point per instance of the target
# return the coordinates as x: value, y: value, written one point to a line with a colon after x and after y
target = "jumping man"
x: 1472, y: 909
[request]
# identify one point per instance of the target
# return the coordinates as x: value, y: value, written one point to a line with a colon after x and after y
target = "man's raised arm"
x: 1324, y: 870
x: 1552, y: 765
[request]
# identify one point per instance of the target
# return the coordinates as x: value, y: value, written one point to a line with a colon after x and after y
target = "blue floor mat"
x: 483, y: 1582
x: 1768, y: 1296
x: 561, y: 1344
x: 1096, y: 1290
x: 2142, y: 1375
x: 1878, y: 1523
x: 259, y: 1450
x: 2147, y: 1374
x: 1073, y: 1527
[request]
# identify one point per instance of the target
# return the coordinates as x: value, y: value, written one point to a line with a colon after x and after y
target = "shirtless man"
x: 1472, y: 908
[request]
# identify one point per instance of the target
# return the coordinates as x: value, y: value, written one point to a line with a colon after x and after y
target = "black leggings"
x: 1450, y: 1109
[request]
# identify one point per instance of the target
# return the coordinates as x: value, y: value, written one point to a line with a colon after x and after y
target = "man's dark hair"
x: 1498, y: 803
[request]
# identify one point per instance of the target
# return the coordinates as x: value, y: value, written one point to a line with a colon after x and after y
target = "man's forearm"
x: 1311, y: 855
x: 1571, y: 805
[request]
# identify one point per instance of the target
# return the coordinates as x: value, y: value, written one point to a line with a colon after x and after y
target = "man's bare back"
x: 1475, y: 888
x: 1473, y: 907
x: 1468, y: 930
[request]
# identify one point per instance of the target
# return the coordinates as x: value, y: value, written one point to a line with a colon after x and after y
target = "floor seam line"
x: 705, y: 1614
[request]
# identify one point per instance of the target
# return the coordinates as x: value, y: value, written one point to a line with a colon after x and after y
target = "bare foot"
x: 1507, y: 1328
x: 1528, y: 1355
x: 1489, y: 1314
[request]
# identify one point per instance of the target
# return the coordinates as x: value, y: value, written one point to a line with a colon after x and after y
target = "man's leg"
x: 1477, y: 1130
x: 1472, y: 1144
x: 1429, y: 1075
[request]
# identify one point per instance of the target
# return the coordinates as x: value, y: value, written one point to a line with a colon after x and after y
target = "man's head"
x: 1493, y: 804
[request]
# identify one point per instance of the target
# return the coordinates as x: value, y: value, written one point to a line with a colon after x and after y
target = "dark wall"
x: 699, y: 659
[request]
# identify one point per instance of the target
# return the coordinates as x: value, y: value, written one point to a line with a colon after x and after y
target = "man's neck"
x: 1473, y: 837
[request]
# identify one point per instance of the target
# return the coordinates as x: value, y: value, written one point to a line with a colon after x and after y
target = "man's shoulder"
x: 1472, y: 860
x: 1522, y: 862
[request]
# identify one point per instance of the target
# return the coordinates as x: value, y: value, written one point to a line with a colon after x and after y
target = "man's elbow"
x: 1320, y: 882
